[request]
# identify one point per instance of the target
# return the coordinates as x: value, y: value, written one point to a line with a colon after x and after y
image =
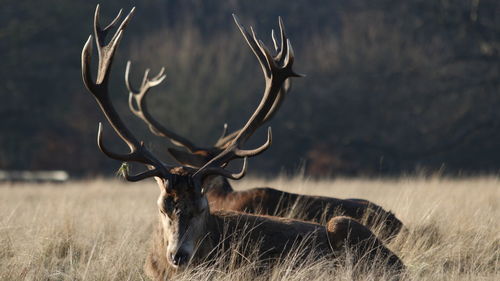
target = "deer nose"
x: 179, y: 259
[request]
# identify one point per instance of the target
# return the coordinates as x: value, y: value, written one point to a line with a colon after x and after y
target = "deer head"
x: 183, y: 207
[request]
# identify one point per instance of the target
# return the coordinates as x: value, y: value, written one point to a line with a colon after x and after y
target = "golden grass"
x: 100, y: 230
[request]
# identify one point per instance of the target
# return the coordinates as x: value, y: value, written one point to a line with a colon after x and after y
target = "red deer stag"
x: 266, y: 200
x: 188, y: 231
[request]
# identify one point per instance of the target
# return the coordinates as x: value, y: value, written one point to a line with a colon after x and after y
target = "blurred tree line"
x: 392, y: 86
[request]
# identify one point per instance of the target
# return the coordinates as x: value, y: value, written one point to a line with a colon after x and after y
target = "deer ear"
x: 187, y: 158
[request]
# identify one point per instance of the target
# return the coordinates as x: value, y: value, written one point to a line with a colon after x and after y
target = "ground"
x: 100, y: 229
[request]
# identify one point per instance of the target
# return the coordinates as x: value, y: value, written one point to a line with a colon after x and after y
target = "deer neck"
x: 213, y: 228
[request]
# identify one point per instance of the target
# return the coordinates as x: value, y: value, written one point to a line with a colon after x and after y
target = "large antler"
x: 281, y: 49
x: 99, y: 89
x: 276, y: 71
x: 198, y: 156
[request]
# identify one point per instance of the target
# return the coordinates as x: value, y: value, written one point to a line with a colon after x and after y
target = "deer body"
x: 275, y: 238
x: 270, y: 201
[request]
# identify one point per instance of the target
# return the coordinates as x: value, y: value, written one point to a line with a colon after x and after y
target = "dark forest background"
x: 392, y: 86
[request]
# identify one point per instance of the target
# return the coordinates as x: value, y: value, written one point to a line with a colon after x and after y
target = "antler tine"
x: 224, y: 131
x: 137, y: 104
x: 276, y: 71
x: 113, y: 22
x: 99, y: 89
x: 283, y: 48
x: 201, y: 174
x: 126, y: 158
x: 275, y: 42
x: 223, y: 172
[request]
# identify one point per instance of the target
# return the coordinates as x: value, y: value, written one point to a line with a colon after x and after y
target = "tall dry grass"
x: 100, y: 230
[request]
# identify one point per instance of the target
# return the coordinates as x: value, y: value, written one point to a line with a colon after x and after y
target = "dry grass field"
x: 100, y: 230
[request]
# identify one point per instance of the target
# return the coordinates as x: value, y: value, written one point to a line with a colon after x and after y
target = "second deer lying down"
x: 269, y: 201
x: 189, y: 232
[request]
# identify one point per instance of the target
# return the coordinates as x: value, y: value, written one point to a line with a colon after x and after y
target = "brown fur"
x: 216, y: 231
x: 269, y: 201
